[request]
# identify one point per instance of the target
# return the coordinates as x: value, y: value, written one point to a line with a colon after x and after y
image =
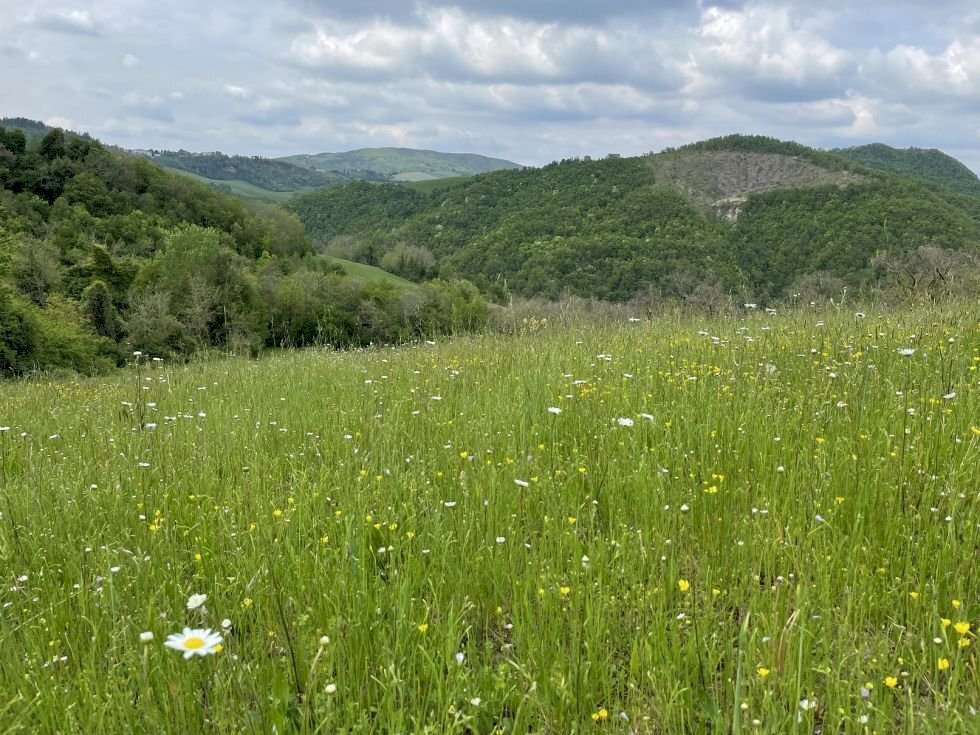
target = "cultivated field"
x: 768, y: 524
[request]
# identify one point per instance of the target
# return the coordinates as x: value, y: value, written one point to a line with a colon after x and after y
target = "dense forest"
x: 747, y: 215
x: 265, y: 173
x: 103, y: 254
x: 926, y: 164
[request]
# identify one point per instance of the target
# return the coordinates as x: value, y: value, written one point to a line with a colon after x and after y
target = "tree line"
x: 103, y: 253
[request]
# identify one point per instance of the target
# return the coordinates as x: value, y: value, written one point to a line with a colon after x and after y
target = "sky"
x: 530, y: 81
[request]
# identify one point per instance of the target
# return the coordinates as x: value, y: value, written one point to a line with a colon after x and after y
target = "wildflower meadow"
x: 766, y: 523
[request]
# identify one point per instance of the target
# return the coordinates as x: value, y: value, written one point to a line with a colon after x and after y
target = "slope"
x: 749, y: 213
x: 403, y: 164
x: 928, y: 164
x: 104, y: 253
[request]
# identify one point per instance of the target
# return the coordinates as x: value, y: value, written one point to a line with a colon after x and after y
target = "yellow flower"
x: 247, y: 602
x: 891, y: 682
x: 571, y: 520
x: 942, y: 664
x: 963, y: 642
x: 914, y: 595
x: 956, y: 604
x: 564, y: 591
x: 715, y: 591
x: 946, y: 622
x: 277, y: 513
x: 423, y: 628
x: 962, y: 627
x: 763, y: 672
x: 683, y: 585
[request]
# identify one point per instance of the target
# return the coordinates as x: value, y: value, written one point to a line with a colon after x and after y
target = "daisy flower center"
x: 193, y: 643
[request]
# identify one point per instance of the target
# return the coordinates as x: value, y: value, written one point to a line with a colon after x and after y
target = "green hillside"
x: 263, y: 173
x: 371, y: 274
x: 748, y: 214
x: 928, y: 164
x: 239, y: 188
x: 403, y: 164
x: 103, y: 253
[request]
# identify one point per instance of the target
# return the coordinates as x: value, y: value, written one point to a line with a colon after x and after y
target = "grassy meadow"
x: 765, y: 524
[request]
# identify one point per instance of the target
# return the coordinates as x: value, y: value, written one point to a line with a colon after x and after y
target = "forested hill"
x: 103, y: 253
x: 403, y: 164
x: 265, y: 173
x: 749, y: 215
x: 928, y: 164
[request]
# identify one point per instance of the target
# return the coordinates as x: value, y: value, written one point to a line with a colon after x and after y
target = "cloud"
x: 447, y: 43
x: 151, y: 107
x: 766, y: 53
x: 79, y: 22
x: 235, y: 91
x: 529, y: 81
x: 60, y: 122
x: 953, y: 73
x: 561, y: 11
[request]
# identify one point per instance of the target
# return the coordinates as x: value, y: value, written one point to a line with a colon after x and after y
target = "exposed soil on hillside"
x: 723, y: 179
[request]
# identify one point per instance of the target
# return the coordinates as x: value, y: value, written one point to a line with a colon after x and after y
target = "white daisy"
x: 194, y: 642
x: 195, y: 601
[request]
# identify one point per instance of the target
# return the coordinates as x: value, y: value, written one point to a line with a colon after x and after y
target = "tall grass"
x: 763, y: 524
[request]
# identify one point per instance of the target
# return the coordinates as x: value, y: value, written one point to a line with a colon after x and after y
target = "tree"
x: 36, y: 270
x: 409, y: 261
x: 98, y: 308
x: 53, y: 145
x: 17, y: 335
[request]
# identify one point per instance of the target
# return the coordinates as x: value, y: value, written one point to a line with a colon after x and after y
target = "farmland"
x: 767, y: 523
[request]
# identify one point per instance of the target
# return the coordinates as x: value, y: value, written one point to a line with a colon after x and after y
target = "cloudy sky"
x: 528, y: 80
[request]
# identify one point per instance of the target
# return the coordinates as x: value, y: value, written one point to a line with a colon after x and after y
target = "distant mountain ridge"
x: 275, y: 179
x: 403, y: 164
x: 265, y: 173
x: 928, y: 164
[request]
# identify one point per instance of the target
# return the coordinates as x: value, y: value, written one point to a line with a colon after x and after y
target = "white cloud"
x: 60, y: 122
x: 530, y: 81
x: 448, y: 43
x: 65, y: 21
x: 235, y: 91
x: 761, y: 50
x: 954, y: 72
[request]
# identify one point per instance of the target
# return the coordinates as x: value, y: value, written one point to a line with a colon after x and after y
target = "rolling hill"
x: 263, y: 173
x: 927, y: 164
x: 749, y: 214
x: 105, y: 255
x: 403, y: 164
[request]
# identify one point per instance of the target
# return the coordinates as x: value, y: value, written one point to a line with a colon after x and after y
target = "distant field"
x: 370, y: 273
x: 768, y: 524
x: 438, y: 184
x: 241, y: 188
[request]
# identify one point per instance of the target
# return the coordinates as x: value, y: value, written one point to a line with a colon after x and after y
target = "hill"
x: 746, y: 214
x: 928, y: 164
x: 103, y: 253
x: 266, y: 174
x: 403, y: 164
